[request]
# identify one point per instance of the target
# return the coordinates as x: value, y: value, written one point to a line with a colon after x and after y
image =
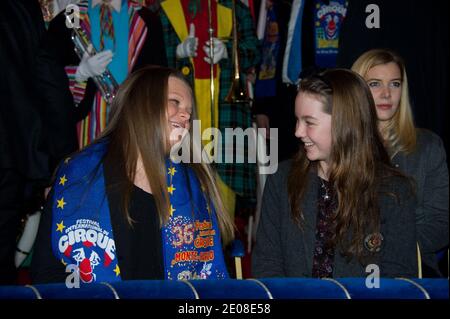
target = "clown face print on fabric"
x: 81, y: 225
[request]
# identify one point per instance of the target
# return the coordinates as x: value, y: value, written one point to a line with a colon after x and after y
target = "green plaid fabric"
x: 241, y: 177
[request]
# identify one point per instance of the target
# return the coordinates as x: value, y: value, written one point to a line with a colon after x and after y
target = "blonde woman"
x: 122, y: 209
x: 418, y: 153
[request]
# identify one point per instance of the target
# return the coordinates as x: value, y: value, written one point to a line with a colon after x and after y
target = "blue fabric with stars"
x: 81, y: 224
x: 82, y: 232
x: 191, y: 239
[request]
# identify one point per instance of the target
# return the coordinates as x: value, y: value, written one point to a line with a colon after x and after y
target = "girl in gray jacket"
x: 339, y: 207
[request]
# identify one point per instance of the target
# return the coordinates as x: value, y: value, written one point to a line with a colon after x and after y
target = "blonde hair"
x: 137, y: 125
x: 400, y: 132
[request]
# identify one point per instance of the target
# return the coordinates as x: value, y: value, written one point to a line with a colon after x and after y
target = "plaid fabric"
x: 240, y: 177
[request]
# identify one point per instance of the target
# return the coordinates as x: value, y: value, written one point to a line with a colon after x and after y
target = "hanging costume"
x: 328, y: 19
x: 176, y: 17
x: 137, y: 42
x: 275, y: 90
x: 24, y: 157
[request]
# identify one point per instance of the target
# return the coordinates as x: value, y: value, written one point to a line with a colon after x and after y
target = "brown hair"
x: 138, y: 127
x: 358, y: 159
x: 400, y: 134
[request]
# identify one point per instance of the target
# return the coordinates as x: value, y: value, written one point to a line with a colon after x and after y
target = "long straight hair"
x: 358, y: 159
x: 138, y: 127
x: 400, y: 132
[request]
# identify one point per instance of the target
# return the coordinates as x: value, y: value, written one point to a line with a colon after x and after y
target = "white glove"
x: 220, y: 51
x: 188, y: 48
x: 60, y: 5
x: 91, y: 66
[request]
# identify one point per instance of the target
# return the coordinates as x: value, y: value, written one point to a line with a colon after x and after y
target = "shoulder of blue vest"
x: 82, y: 163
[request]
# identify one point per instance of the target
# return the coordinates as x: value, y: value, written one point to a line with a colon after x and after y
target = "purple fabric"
x: 324, y: 254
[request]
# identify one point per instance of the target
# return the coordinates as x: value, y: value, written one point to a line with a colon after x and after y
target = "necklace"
x: 326, y: 196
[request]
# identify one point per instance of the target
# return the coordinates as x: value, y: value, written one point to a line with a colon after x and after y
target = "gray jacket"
x: 282, y: 249
x: 428, y: 166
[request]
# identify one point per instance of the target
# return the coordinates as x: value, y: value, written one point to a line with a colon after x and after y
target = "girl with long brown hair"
x: 123, y: 208
x: 339, y: 205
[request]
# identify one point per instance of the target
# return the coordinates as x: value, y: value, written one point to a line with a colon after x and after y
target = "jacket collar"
x: 309, y: 208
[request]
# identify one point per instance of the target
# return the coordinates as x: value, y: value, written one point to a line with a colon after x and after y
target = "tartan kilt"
x: 240, y: 177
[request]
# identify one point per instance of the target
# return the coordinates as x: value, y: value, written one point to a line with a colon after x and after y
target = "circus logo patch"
x: 88, y: 246
x: 328, y: 23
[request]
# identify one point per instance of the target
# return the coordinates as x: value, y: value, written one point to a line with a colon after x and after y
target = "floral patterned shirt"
x: 323, y: 259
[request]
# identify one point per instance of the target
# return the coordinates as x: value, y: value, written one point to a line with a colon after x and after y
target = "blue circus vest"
x: 81, y: 229
x: 191, y: 239
x: 82, y: 233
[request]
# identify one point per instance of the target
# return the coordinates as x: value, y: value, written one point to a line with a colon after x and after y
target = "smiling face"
x: 313, y: 127
x: 179, y: 109
x: 385, y: 83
